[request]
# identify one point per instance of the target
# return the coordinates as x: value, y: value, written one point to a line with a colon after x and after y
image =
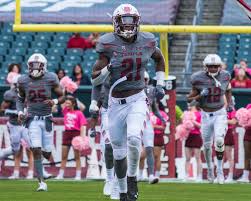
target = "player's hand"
x: 230, y: 108
x: 21, y: 118
x: 204, y: 92
x: 159, y: 92
x: 93, y: 132
x: 49, y: 102
x: 93, y: 108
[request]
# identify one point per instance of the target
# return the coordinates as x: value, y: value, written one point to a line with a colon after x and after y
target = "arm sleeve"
x: 96, y: 93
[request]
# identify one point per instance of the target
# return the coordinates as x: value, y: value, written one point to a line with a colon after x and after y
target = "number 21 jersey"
x: 127, y: 59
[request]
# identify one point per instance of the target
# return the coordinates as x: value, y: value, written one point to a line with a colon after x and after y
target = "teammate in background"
x: 247, y: 154
x: 148, y: 134
x: 193, y: 143
x: 124, y: 55
x: 75, y: 125
x: 209, y: 86
x: 99, y: 104
x: 16, y: 130
x: 36, y: 89
x: 229, y: 142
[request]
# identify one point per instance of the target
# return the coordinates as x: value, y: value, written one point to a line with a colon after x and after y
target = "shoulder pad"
x: 147, y: 35
x: 22, y: 79
x: 196, y: 76
x: 106, y: 38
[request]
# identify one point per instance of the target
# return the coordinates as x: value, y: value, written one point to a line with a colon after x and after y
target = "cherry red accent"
x: 214, y: 95
x: 37, y: 95
x: 127, y: 64
x: 138, y: 68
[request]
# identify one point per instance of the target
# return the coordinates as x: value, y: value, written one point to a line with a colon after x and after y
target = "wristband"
x: 55, y: 101
x: 20, y: 113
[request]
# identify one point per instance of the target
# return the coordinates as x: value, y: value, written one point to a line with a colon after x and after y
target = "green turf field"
x: 91, y: 191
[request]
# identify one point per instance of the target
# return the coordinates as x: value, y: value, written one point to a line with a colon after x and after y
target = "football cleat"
x: 220, y: 178
x: 132, y: 187
x: 229, y: 179
x: 77, y: 178
x: 42, y: 187
x: 59, y: 177
x: 243, y: 179
x: 210, y: 176
x: 115, y: 190
x: 107, y: 188
x: 123, y: 197
x: 153, y: 179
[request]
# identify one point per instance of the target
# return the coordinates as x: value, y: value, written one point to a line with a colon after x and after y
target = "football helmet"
x: 37, y: 65
x: 212, y: 64
x: 126, y: 20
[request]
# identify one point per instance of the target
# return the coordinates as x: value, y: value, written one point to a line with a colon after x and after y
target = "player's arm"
x: 160, y: 72
x: 60, y: 94
x: 194, y: 95
x: 156, y: 111
x: 20, y: 103
x: 228, y: 95
x: 100, y: 70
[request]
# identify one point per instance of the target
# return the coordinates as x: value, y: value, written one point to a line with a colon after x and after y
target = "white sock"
x: 78, y: 173
x: 157, y: 174
x: 122, y: 185
x: 246, y: 173
x: 5, y: 153
x: 61, y: 172
x: 141, y: 172
x: 16, y: 173
x: 109, y: 174
x: 30, y: 172
x: 219, y: 166
x: 230, y: 175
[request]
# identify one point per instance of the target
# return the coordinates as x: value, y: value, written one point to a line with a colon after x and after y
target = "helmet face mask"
x: 37, y: 65
x: 212, y: 64
x: 126, y: 21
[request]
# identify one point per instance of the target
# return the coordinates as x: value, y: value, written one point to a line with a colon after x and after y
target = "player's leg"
x: 30, y: 164
x: 229, y: 158
x: 207, y: 137
x: 107, y: 153
x: 141, y: 164
x: 35, y: 135
x: 157, y: 154
x: 117, y: 130
x: 65, y: 152
x: 197, y: 155
x: 188, y: 154
x: 220, y: 128
x: 136, y: 120
x: 78, y: 164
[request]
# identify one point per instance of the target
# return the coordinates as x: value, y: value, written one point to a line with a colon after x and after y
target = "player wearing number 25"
x: 209, y: 86
x: 35, y: 89
x: 123, y: 55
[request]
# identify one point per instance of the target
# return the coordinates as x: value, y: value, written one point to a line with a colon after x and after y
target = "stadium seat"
x: 20, y: 44
x: 18, y: 51
x: 56, y: 51
x: 54, y: 58
x: 4, y: 44
x: 43, y: 45
x: 43, y: 38
x: 14, y: 58
x: 3, y: 51
x: 7, y: 38
x: 75, y: 52
x: 36, y: 50
x: 61, y: 38
x: 52, y: 65
x: 58, y: 44
x: 72, y: 58
x: 24, y: 38
x: 68, y: 65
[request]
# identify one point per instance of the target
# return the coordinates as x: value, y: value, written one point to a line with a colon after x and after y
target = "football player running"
x: 148, y: 134
x: 35, y: 88
x: 124, y: 55
x: 99, y: 104
x: 209, y: 87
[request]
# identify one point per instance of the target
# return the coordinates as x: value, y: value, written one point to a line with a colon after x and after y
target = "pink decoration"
x: 244, y: 117
x: 188, y: 125
x: 11, y: 76
x: 188, y: 116
x: 24, y: 144
x: 82, y: 144
x: 68, y: 84
x: 181, y: 132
